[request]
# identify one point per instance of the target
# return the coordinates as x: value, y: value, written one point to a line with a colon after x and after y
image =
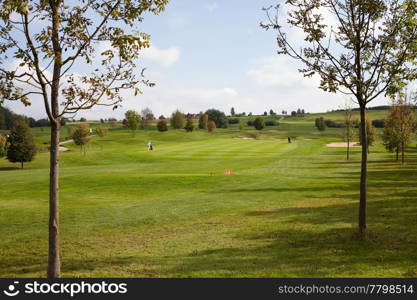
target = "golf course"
x: 286, y: 210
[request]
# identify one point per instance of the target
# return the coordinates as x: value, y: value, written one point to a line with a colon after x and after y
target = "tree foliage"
x: 132, y: 120
x: 218, y: 117
x: 399, y: 126
x: 21, y: 146
x: 189, y: 124
x: 202, y: 121
x: 162, y: 125
x: 3, y: 145
x: 259, y: 123
x: 177, y: 120
x: 368, y: 51
x: 81, y: 134
x: 211, y: 126
x: 320, y: 124
x: 101, y: 130
x: 370, y: 134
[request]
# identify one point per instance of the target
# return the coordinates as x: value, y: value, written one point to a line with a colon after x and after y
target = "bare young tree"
x: 48, y: 54
x: 367, y: 53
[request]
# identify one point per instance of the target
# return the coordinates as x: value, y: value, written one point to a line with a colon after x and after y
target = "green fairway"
x: 287, y: 210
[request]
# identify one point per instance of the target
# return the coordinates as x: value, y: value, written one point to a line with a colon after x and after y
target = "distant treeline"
x: 7, y: 118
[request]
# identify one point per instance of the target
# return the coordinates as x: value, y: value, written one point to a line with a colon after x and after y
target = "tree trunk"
x: 364, y: 164
x: 21, y: 164
x: 54, y: 261
x: 397, y: 150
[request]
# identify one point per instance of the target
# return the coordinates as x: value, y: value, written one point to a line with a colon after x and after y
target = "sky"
x: 213, y: 54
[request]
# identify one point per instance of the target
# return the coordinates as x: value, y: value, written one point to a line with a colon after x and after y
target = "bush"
x: 259, y: 123
x: 241, y: 127
x: 250, y: 123
x: 378, y: 123
x: 211, y: 126
x: 233, y: 121
x: 271, y: 123
x: 162, y: 125
x: 80, y: 135
x: 218, y: 117
x: 333, y: 124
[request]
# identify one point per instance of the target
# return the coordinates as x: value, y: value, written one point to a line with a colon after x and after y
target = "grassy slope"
x: 287, y: 209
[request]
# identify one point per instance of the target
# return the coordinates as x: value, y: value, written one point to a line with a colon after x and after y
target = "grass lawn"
x: 287, y: 210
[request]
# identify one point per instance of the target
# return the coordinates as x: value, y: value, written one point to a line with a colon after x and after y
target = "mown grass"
x: 288, y: 210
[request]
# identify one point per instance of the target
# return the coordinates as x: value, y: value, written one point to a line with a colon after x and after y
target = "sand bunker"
x: 245, y: 138
x: 343, y: 145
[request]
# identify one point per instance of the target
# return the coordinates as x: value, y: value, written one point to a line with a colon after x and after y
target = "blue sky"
x: 213, y: 54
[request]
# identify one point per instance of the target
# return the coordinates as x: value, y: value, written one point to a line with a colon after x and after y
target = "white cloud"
x: 163, y: 57
x: 211, y: 7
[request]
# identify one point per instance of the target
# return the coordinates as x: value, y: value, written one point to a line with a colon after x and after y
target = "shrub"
x: 241, y: 127
x: 211, y: 126
x: 250, y: 123
x: 233, y: 121
x: 259, y: 123
x: 333, y: 124
x: 378, y: 123
x: 271, y: 123
x: 162, y: 125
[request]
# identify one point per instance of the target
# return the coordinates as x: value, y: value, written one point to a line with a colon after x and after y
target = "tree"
x: 202, y: 121
x: 272, y: 113
x: 3, y: 145
x: 189, y: 125
x: 147, y: 116
x: 177, y: 120
x: 348, y: 128
x: 211, y: 126
x: 232, y: 112
x: 399, y: 127
x: 320, y: 124
x: 101, y: 130
x: 259, y: 123
x: 218, y: 117
x: 162, y: 125
x: 132, y: 121
x: 370, y: 135
x: 68, y: 37
x: 80, y: 135
x: 21, y: 146
x: 368, y: 52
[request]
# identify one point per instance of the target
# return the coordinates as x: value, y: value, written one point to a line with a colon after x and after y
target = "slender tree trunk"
x: 398, y: 150
x: 54, y: 261
x: 364, y: 164
x: 21, y: 164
